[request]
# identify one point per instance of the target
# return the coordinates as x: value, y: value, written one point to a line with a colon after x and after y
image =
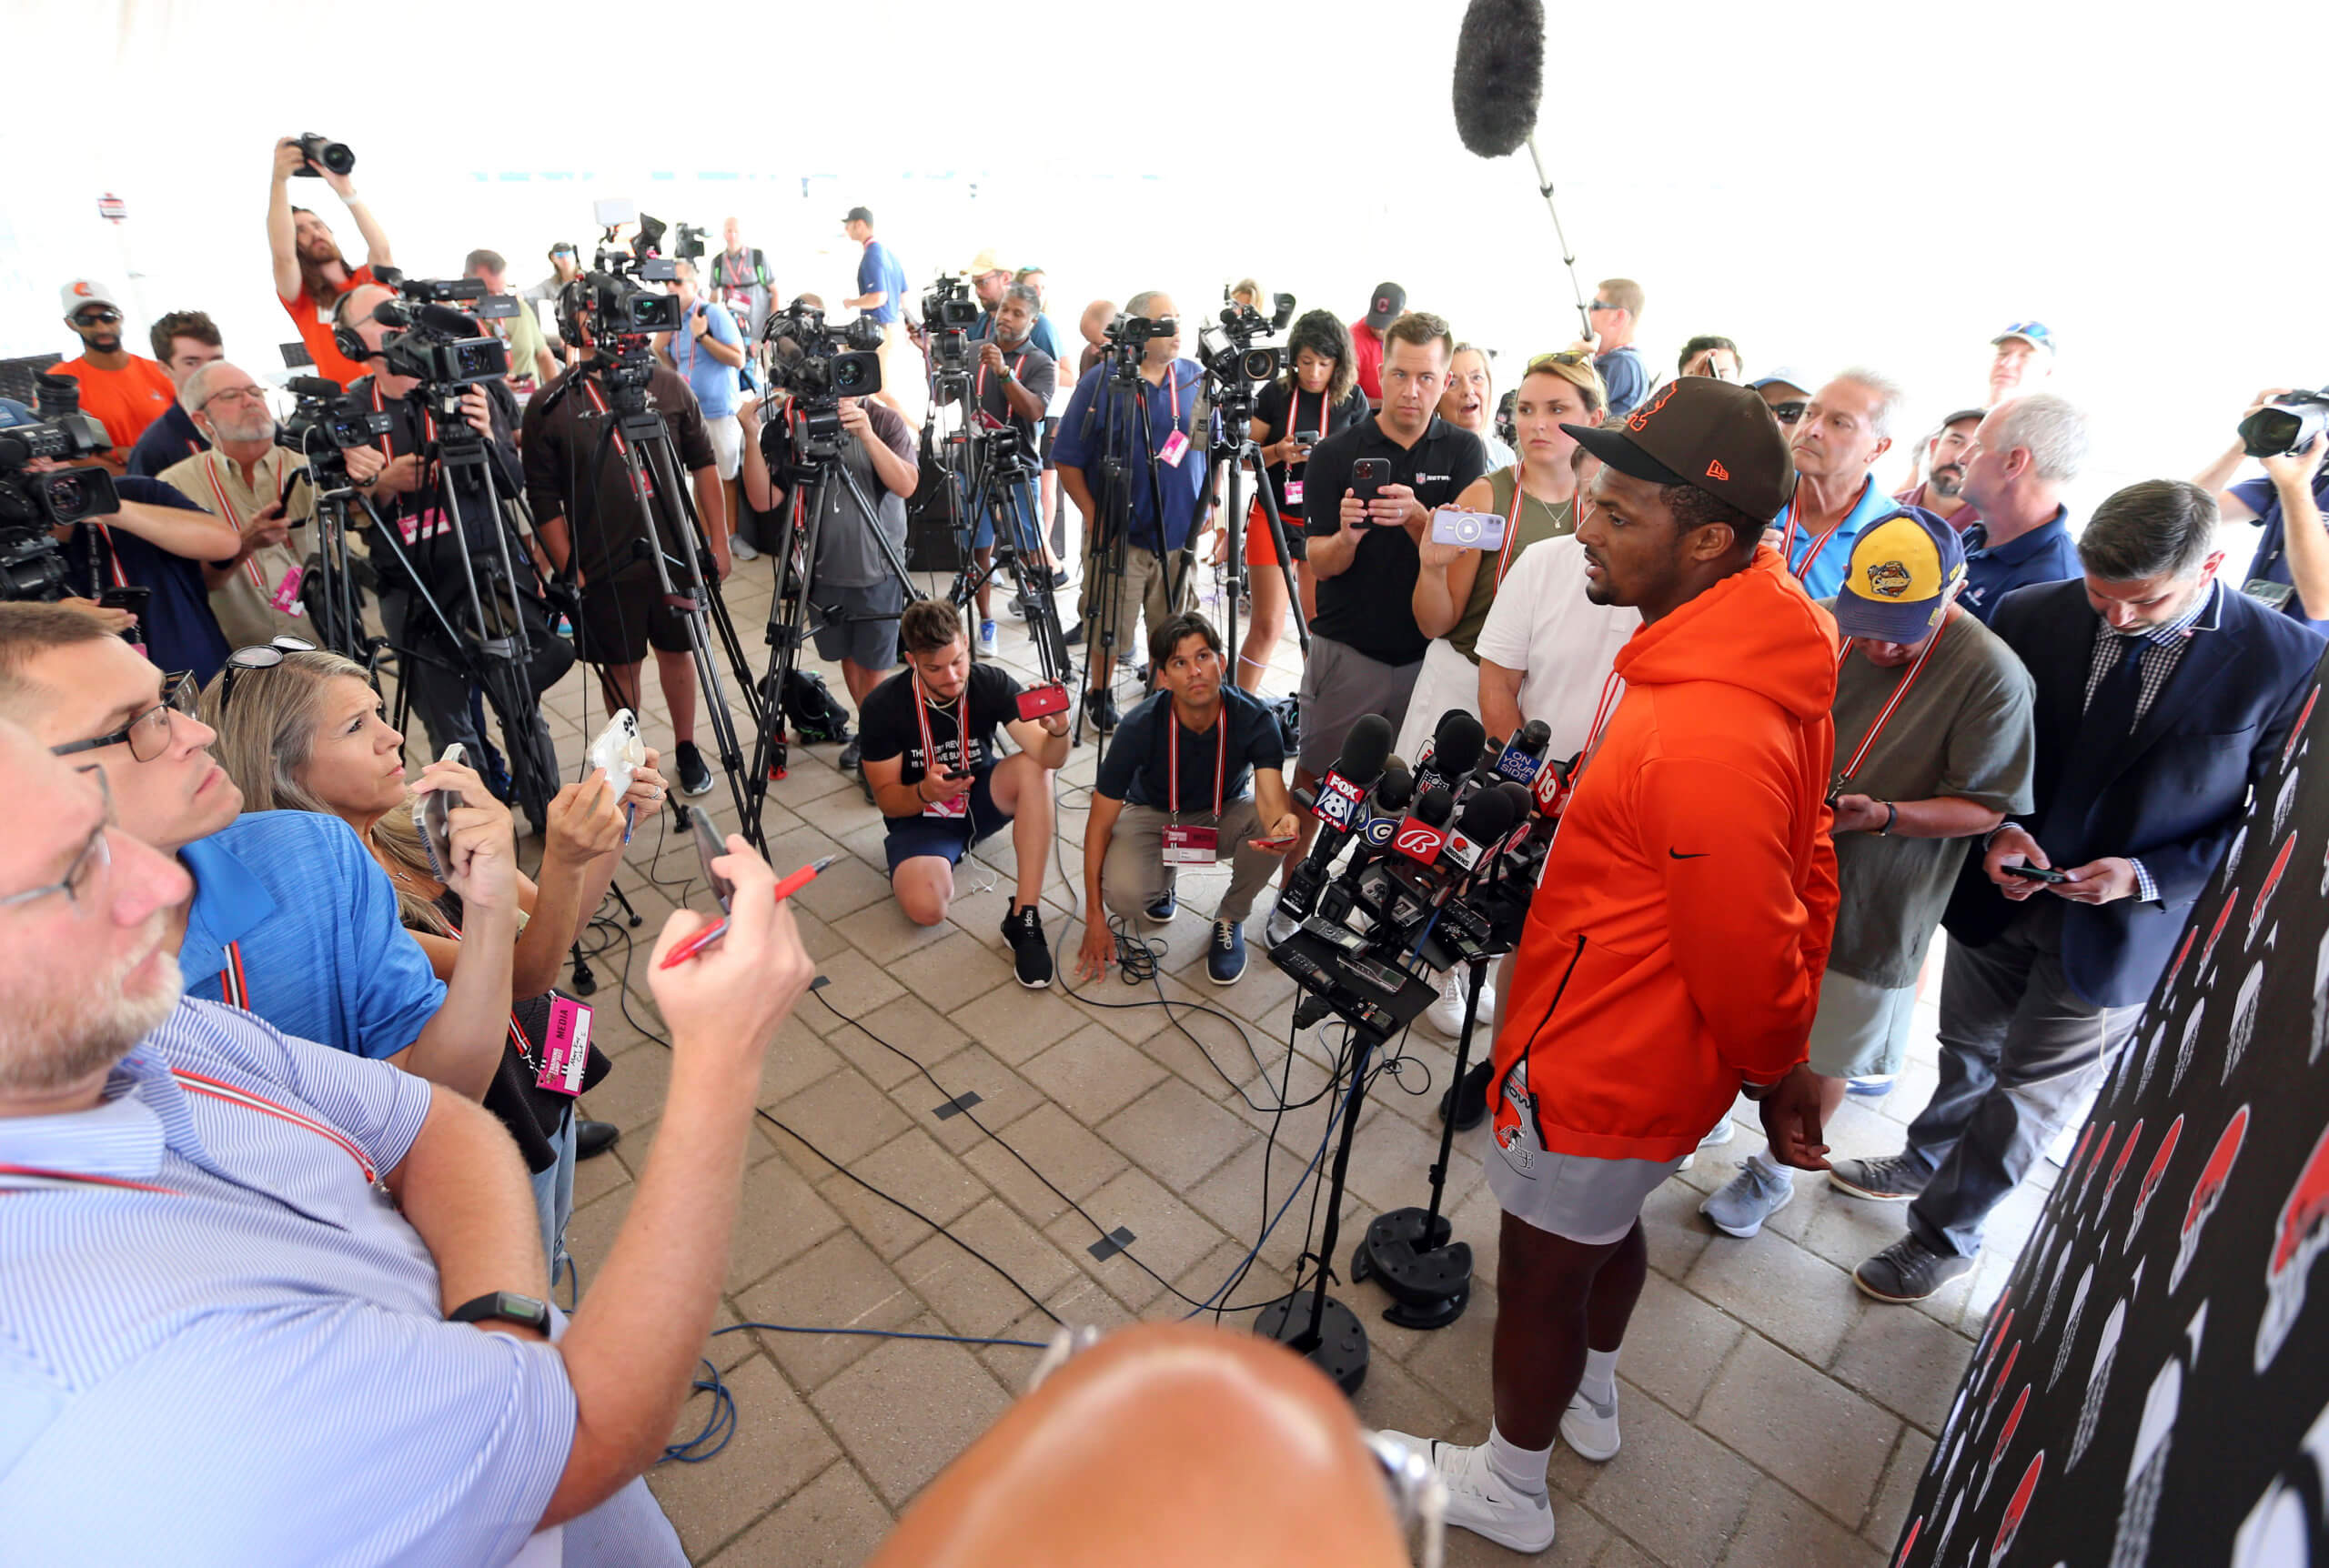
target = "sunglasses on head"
x: 104, y: 316
x: 262, y: 656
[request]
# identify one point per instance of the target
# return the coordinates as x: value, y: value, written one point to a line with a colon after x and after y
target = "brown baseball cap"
x: 1696, y: 430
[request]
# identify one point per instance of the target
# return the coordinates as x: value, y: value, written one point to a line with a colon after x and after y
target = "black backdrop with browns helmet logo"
x: 2153, y: 1387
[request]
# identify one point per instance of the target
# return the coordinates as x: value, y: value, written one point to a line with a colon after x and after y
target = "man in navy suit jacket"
x: 2162, y: 695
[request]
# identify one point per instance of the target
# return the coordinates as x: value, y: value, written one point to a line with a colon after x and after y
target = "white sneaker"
x: 1590, y: 1429
x: 1446, y: 1014
x: 1479, y: 1501
x: 1279, y: 927
x: 1723, y: 1132
x: 742, y: 550
x: 988, y: 646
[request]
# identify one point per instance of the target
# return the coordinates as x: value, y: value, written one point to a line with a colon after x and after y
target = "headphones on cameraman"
x: 345, y: 338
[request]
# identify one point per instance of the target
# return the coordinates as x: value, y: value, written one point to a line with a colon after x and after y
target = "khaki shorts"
x: 1143, y: 591
x: 1861, y: 1031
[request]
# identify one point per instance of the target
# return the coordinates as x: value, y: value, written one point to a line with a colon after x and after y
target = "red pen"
x: 711, y: 934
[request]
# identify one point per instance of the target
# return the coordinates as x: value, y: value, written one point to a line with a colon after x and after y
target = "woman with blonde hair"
x: 305, y: 731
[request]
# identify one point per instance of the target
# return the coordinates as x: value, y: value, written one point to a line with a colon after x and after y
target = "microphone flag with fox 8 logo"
x: 2150, y: 1383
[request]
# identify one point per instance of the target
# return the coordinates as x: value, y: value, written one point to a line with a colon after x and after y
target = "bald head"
x: 1096, y: 317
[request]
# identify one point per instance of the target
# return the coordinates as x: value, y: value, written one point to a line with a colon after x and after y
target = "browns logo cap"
x: 1696, y: 430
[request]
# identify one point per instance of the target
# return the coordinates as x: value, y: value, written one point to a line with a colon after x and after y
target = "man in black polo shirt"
x: 1366, y: 648
x: 1193, y: 776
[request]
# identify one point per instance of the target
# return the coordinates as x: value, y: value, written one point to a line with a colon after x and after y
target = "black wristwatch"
x: 508, y: 1306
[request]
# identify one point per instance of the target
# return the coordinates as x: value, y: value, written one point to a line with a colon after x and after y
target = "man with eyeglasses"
x: 245, y: 481
x: 291, y: 918
x: 207, y: 1224
x: 120, y: 390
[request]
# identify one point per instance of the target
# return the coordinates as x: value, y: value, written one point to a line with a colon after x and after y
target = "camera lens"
x: 849, y: 374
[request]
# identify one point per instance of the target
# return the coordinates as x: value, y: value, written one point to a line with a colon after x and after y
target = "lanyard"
x: 928, y: 746
x: 1172, y: 760
x: 644, y: 487
x: 1892, y: 703
x: 517, y: 1029
x: 1015, y: 376
x: 226, y: 509
x: 1613, y: 688
x: 1787, y: 540
x: 1293, y: 415
x: 113, y: 557
x: 1512, y: 527
x: 428, y: 422
x: 215, y: 1088
x: 29, y: 1177
x: 233, y: 990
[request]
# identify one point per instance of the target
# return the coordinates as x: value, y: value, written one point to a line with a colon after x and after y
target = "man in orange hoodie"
x: 1673, y: 954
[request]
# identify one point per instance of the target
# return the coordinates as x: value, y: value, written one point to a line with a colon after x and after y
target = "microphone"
x: 1391, y: 795
x: 1525, y: 753
x: 1365, y: 749
x: 392, y: 313
x: 1421, y: 836
x: 1499, y: 75
x: 1487, y: 818
x: 1499, y: 81
x: 446, y: 319
x: 1455, y: 748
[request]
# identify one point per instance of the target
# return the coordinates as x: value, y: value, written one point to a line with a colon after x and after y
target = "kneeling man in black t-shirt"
x: 928, y: 740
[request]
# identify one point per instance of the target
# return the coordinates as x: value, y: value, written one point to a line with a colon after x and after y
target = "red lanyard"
x: 1014, y: 374
x: 428, y: 421
x: 226, y: 510
x: 213, y: 1089
x: 517, y: 1029
x: 113, y: 557
x: 1512, y: 527
x: 1868, y: 741
x: 1787, y: 540
x: 1172, y: 760
x: 1613, y: 688
x: 928, y: 746
x: 233, y: 989
x: 1294, y: 415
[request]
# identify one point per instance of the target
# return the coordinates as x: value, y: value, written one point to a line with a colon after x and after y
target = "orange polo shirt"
x: 123, y: 401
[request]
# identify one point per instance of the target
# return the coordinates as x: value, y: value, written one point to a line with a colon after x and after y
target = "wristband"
x: 1891, y: 818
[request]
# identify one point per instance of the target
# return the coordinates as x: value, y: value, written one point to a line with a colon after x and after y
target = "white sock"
x: 1600, y: 1383
x: 1522, y: 1469
x: 1761, y: 1161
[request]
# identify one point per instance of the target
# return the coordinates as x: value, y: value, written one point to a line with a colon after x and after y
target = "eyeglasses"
x: 95, y: 856
x: 262, y: 656
x: 105, y: 317
x: 148, y: 733
x: 253, y: 393
x: 1788, y: 412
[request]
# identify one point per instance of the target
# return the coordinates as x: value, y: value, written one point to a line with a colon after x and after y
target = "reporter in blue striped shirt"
x: 227, y: 1257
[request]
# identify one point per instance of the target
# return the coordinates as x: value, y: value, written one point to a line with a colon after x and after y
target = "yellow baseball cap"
x: 1902, y: 566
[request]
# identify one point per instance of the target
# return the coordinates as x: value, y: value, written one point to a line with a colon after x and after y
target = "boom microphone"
x: 1499, y: 80
x: 1499, y: 75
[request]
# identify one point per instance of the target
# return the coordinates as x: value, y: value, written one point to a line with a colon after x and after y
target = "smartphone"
x: 2038, y: 873
x: 1472, y: 530
x: 710, y: 847
x: 132, y: 600
x: 1273, y: 845
x: 1367, y: 475
x: 1038, y: 701
x: 431, y: 815
x: 1306, y: 439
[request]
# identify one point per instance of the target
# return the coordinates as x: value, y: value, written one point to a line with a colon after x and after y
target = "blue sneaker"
x: 1167, y: 904
x: 1224, y: 960
x: 987, y: 646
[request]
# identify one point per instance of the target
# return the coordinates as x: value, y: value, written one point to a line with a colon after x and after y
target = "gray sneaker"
x: 1908, y: 1271
x: 1893, y: 1179
x: 1753, y: 1196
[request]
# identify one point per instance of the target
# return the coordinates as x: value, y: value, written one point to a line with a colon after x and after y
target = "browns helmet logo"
x: 2151, y: 1179
x: 2296, y: 730
x: 1640, y: 416
x: 2206, y: 1193
x: 2139, y: 1502
x: 1888, y: 579
x: 2301, y: 1233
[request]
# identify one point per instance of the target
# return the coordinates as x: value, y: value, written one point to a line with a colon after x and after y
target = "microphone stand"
x: 1569, y: 256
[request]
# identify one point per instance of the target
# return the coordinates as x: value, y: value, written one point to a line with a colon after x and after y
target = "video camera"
x: 817, y: 365
x: 438, y: 340
x: 948, y: 313
x: 688, y: 245
x: 32, y: 563
x: 324, y: 422
x: 2288, y: 423
x: 1227, y: 351
x: 611, y: 299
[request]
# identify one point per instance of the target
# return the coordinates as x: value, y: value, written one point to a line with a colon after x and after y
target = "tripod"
x: 812, y: 470
x: 1240, y: 457
x: 1000, y: 487
x: 642, y: 443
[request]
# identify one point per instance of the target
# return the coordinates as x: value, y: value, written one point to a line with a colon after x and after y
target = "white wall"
x: 1882, y: 183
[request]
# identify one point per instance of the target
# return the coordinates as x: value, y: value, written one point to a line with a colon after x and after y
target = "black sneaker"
x: 1030, y: 954
x: 1224, y: 960
x: 1908, y: 1271
x: 1167, y: 904
x: 1060, y: 579
x: 695, y: 778
x: 1074, y: 636
x: 1467, y: 1099
x: 1100, y: 707
x: 851, y: 754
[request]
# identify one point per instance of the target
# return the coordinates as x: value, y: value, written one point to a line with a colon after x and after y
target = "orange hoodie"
x: 1676, y: 940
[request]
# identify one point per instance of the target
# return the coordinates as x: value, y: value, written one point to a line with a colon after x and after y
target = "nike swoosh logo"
x: 1699, y: 855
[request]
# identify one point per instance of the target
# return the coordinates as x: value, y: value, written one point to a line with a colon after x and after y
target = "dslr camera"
x: 2288, y: 423
x: 326, y: 153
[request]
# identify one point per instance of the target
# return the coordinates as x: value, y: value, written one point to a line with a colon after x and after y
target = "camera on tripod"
x: 611, y: 297
x: 32, y: 563
x: 688, y: 244
x: 2288, y: 423
x: 817, y: 366
x: 437, y: 341
x: 1228, y: 352
x: 324, y: 423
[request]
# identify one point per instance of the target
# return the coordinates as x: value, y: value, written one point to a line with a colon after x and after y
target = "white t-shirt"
x: 1543, y: 625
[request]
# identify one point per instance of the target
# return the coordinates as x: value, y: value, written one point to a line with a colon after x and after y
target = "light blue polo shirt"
x: 1825, y: 576
x: 714, y: 383
x: 324, y: 955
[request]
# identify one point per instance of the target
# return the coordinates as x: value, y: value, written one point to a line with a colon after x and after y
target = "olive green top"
x: 1538, y: 521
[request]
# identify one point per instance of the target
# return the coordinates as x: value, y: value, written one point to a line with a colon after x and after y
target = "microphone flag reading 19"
x: 1499, y: 81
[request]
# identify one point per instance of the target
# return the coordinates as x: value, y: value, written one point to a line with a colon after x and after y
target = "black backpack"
x: 816, y: 717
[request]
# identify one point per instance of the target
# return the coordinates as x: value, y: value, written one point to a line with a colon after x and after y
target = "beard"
x: 257, y: 426
x: 313, y: 263
x: 58, y: 1040
x: 103, y: 343
x: 1947, y: 482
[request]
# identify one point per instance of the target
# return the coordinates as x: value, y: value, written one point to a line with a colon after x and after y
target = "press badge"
x: 1293, y: 492
x: 1176, y: 447
x: 567, y: 1050
x: 286, y: 597
x: 1191, y: 846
